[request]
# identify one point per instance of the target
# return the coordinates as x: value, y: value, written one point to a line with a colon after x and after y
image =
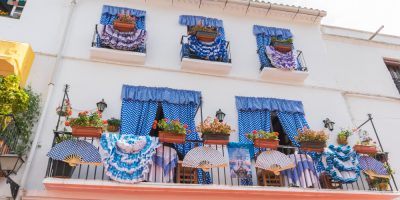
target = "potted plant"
x: 343, y: 135
x: 263, y: 139
x: 171, y: 131
x: 310, y: 140
x: 65, y: 110
x: 365, y: 145
x: 113, y: 125
x: 214, y: 132
x: 87, y: 125
x: 61, y: 169
x: 125, y: 22
x: 204, y: 33
x: 382, y: 156
x: 283, y: 46
x: 378, y: 183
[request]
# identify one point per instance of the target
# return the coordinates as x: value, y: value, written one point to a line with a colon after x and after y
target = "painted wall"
x: 333, y: 66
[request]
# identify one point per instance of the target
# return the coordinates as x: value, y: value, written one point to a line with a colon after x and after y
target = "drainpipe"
x: 51, y: 84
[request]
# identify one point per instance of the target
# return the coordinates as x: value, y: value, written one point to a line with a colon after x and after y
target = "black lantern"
x: 101, y: 105
x: 10, y: 164
x: 329, y: 124
x: 220, y: 115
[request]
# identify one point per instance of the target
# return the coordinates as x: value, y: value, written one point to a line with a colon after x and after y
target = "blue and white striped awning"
x: 75, y: 152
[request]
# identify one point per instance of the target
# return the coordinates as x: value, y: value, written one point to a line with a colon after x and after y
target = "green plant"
x: 310, y: 135
x: 126, y: 19
x: 214, y: 127
x: 25, y: 121
x: 377, y: 182
x: 62, y: 138
x: 13, y: 98
x: 262, y: 135
x: 345, y: 133
x: 114, y: 122
x: 173, y: 126
x: 194, y: 29
x: 87, y: 120
x: 275, y: 39
x: 65, y: 110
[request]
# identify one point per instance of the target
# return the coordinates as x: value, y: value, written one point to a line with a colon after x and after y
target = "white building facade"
x: 346, y: 79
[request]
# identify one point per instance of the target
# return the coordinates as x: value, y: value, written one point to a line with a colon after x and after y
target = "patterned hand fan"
x: 274, y: 161
x: 373, y: 167
x: 204, y: 158
x: 75, y: 152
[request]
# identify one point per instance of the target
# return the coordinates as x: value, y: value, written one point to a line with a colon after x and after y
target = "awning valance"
x: 272, y: 31
x: 16, y: 58
x: 271, y: 104
x: 190, y: 20
x: 113, y: 10
x: 160, y: 94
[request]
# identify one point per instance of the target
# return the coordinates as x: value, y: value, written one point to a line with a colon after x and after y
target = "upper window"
x: 205, y: 39
x: 12, y: 8
x: 393, y: 66
x: 275, y: 48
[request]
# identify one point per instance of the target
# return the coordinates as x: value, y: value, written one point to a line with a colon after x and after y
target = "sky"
x: 366, y: 15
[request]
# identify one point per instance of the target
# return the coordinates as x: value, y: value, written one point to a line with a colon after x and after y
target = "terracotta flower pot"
x: 266, y: 143
x: 123, y: 27
x: 342, y: 140
x: 383, y: 186
x: 169, y: 137
x: 282, y: 47
x: 87, y: 132
x: 364, y: 149
x: 206, y: 36
x: 312, y: 146
x: 112, y: 129
x: 216, y: 138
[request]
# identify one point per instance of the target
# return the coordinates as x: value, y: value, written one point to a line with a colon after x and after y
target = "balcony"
x: 297, y: 75
x: 91, y: 182
x: 130, y: 56
x: 192, y: 62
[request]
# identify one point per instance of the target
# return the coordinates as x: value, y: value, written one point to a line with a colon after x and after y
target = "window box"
x: 365, y: 149
x: 87, y: 132
x: 279, y: 75
x: 312, y: 146
x: 216, y: 138
x: 174, y: 138
x: 266, y: 143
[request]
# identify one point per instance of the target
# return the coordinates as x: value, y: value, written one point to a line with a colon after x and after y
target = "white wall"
x: 332, y: 64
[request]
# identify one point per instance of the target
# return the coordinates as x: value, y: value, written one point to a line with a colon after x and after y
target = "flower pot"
x: 215, y: 138
x: 365, y: 149
x: 382, y: 156
x: 342, y: 140
x: 112, y: 129
x: 282, y: 47
x: 86, y: 131
x: 206, y: 36
x: 312, y: 146
x: 123, y: 27
x: 61, y: 169
x: 266, y: 143
x: 169, y: 137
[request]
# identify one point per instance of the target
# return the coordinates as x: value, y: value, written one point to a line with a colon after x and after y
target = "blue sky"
x: 366, y: 15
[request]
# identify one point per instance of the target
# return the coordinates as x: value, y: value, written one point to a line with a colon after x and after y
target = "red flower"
x: 189, y: 131
x: 185, y: 126
x: 105, y: 122
x: 166, y: 119
x: 66, y: 123
x: 276, y: 133
x: 254, y: 132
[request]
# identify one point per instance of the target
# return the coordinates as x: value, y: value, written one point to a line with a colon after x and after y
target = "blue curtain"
x: 291, y: 122
x: 109, y: 14
x: 137, y: 116
x: 190, y: 20
x: 185, y: 113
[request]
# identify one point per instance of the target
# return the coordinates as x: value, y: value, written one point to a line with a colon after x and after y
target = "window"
x: 12, y: 8
x: 284, y: 140
x: 394, y: 69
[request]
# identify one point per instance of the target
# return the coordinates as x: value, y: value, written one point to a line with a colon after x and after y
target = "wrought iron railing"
x: 187, y: 53
x: 301, y: 62
x: 96, y: 42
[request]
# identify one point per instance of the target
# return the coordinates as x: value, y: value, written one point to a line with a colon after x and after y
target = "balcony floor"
x: 97, y: 189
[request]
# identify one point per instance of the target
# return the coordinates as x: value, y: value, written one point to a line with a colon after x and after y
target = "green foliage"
x: 214, y: 127
x: 13, y: 99
x: 25, y: 121
x: 262, y: 135
x: 62, y: 138
x: 114, y: 122
x: 345, y: 133
x: 275, y: 39
x: 173, y: 126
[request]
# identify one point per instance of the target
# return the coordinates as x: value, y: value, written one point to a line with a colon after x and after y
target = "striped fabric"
x: 291, y: 122
x: 368, y: 163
